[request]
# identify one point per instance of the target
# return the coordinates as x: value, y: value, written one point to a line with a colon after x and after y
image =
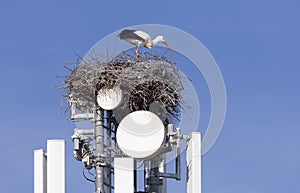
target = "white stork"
x: 140, y: 38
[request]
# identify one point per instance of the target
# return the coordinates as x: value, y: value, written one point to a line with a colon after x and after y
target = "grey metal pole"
x: 162, y: 169
x: 107, y: 180
x: 154, y: 176
x: 99, y: 139
x: 178, y: 162
x: 146, y: 174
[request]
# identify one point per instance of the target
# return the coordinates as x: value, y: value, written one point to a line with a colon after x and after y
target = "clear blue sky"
x: 256, y: 44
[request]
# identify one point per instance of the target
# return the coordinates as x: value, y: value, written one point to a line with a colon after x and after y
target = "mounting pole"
x: 108, y: 168
x: 162, y: 169
x: 99, y: 139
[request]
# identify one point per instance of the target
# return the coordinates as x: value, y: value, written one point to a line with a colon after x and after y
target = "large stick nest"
x: 149, y: 79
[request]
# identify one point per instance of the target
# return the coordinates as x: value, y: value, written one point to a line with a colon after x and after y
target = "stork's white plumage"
x: 140, y: 38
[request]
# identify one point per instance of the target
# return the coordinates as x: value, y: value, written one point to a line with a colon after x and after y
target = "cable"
x: 86, y: 176
x: 91, y: 173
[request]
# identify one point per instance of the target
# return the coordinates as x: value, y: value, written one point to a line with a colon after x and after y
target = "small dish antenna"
x: 109, y: 99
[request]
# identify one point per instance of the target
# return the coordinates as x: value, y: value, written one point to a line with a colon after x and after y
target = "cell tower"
x: 132, y: 105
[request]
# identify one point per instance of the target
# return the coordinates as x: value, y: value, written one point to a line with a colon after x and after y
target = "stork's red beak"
x: 167, y: 45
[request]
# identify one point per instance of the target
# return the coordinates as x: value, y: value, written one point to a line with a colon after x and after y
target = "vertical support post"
x: 193, y: 159
x: 40, y: 171
x: 162, y: 169
x: 107, y: 170
x: 147, y: 169
x: 56, y: 166
x: 99, y: 138
x: 124, y: 175
x: 178, y: 161
x: 155, y: 179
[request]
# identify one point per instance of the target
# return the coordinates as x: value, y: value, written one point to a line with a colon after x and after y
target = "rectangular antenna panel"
x: 193, y: 159
x: 40, y: 171
x: 124, y: 175
x: 56, y: 166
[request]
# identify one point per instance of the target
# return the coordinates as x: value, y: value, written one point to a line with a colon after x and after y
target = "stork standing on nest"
x: 140, y: 38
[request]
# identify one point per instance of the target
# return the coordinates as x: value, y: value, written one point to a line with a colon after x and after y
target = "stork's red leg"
x: 137, y: 52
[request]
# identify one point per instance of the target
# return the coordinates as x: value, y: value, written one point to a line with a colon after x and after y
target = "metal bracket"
x: 154, y: 181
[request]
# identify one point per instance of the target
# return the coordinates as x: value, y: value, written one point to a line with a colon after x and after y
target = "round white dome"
x: 109, y: 99
x: 141, y: 134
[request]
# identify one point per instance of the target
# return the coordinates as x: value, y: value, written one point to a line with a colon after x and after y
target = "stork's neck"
x: 155, y: 41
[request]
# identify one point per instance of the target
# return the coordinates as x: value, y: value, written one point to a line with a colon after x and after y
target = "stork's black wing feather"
x: 129, y: 34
